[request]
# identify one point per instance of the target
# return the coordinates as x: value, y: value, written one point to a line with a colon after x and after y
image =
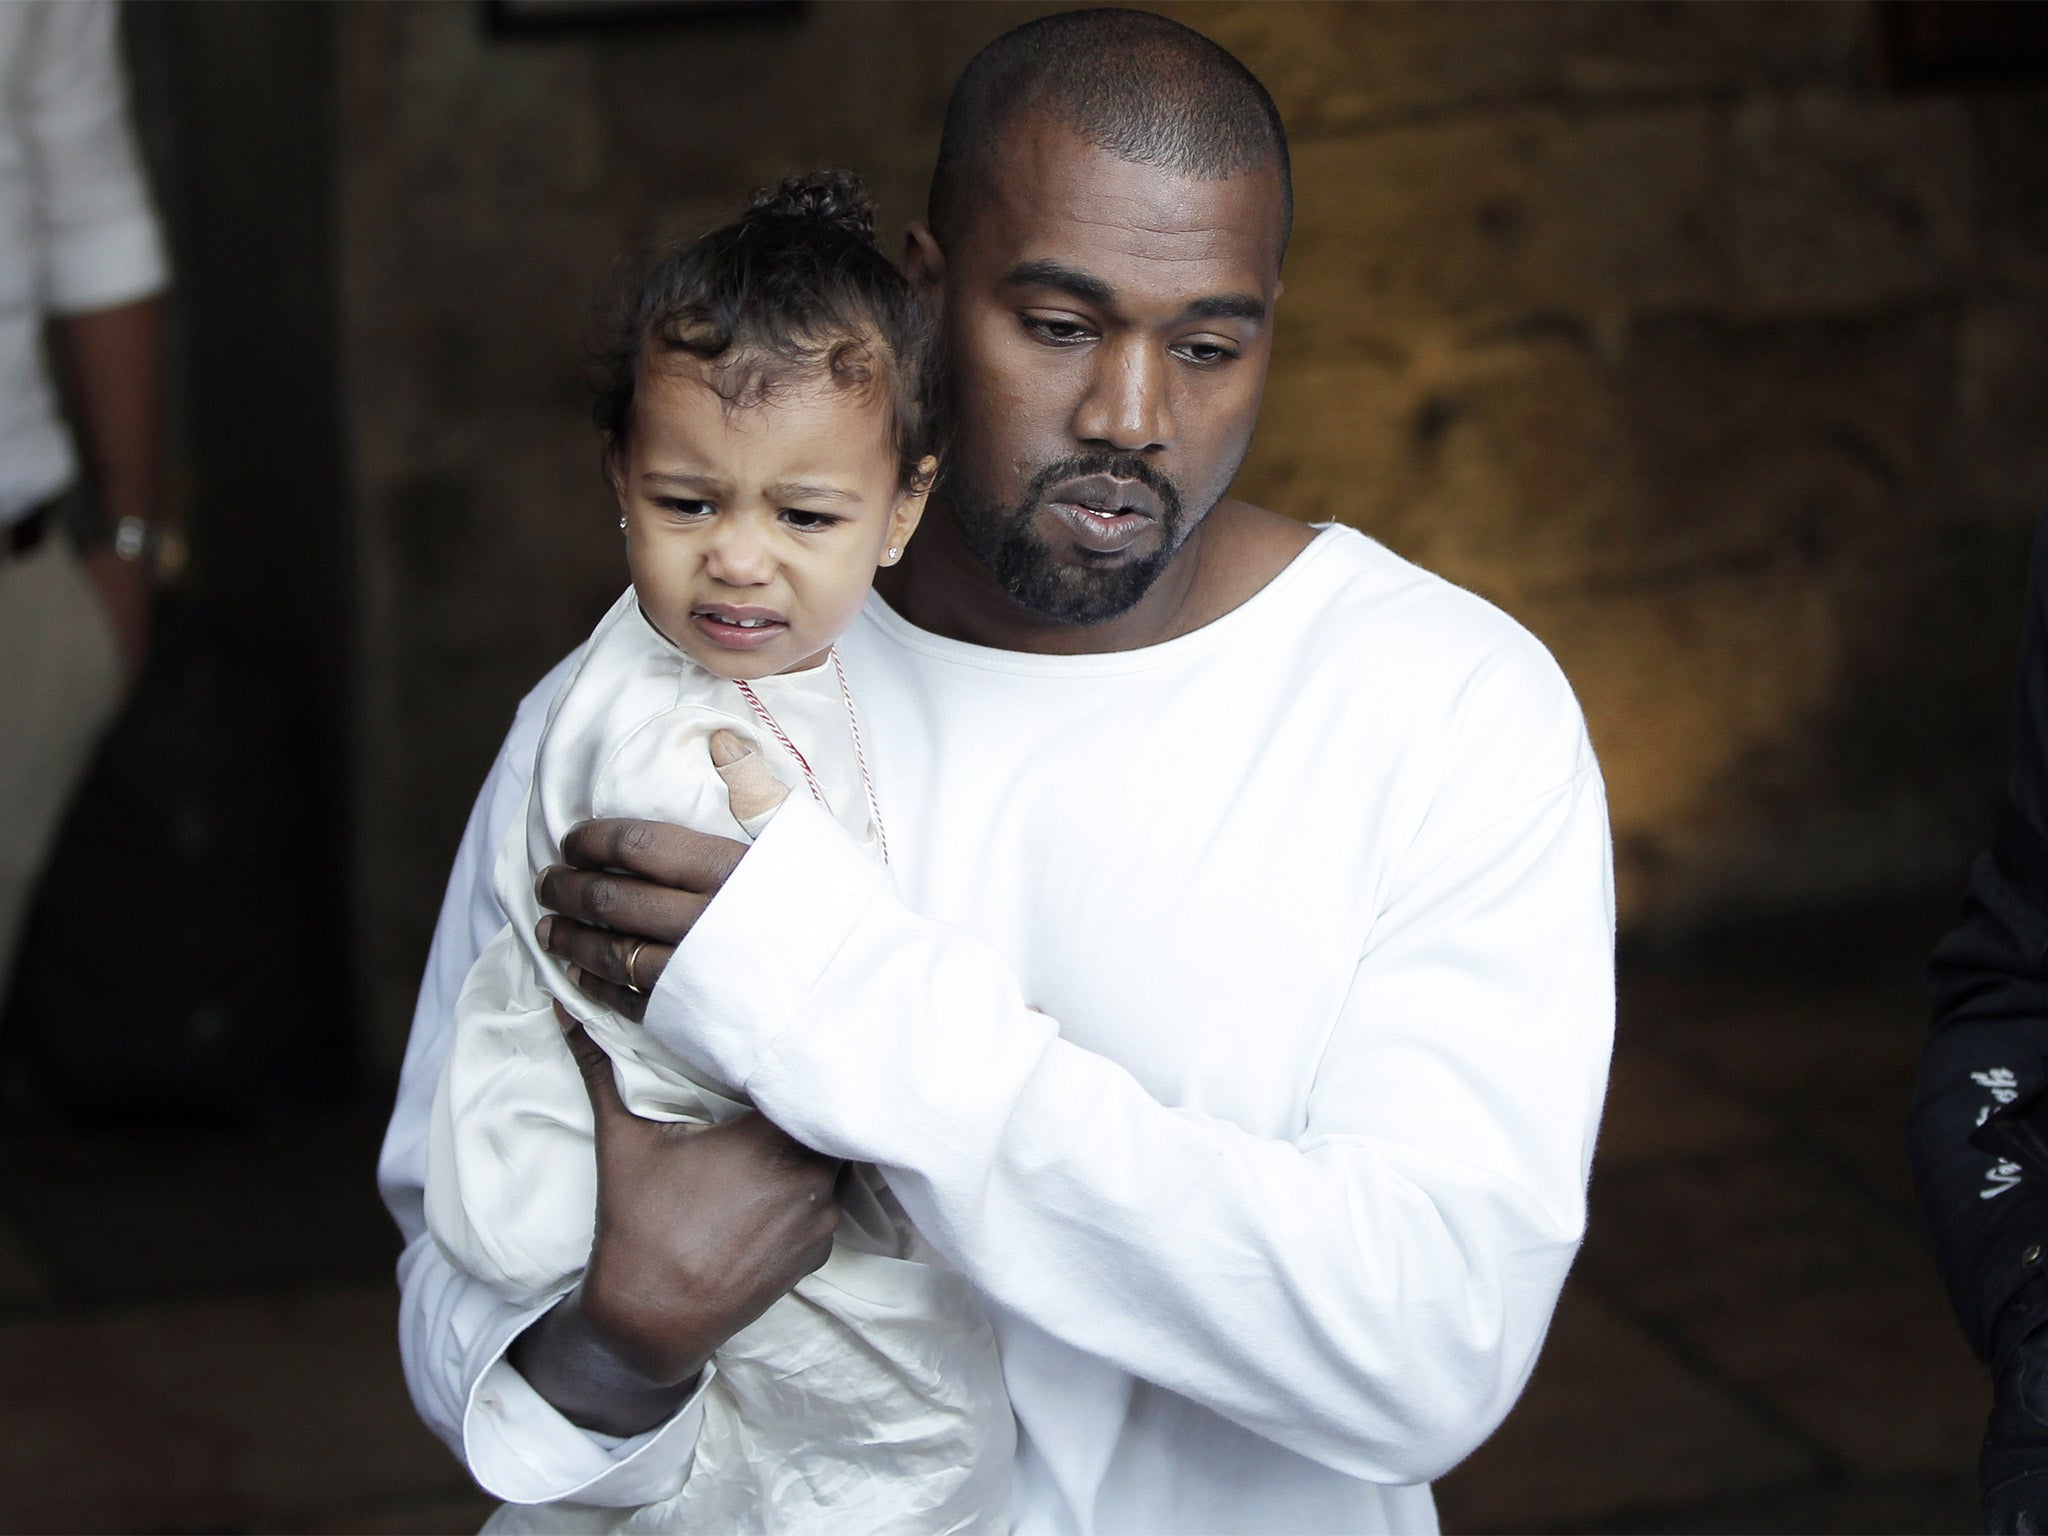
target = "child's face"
x: 753, y: 534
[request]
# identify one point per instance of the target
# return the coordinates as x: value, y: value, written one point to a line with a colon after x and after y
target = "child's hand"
x: 755, y: 793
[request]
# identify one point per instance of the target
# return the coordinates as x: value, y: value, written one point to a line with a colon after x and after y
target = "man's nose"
x: 738, y: 553
x: 1126, y: 406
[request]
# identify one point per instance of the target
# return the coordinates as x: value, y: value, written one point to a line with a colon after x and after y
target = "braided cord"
x: 860, y: 754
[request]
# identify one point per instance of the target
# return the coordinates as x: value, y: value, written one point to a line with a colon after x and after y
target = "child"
x: 766, y: 429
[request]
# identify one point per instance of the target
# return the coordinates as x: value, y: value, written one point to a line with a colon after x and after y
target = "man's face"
x: 1107, y: 329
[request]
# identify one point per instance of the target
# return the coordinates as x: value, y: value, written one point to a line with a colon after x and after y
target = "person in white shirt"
x: 1302, y: 852
x: 79, y: 245
x: 766, y: 425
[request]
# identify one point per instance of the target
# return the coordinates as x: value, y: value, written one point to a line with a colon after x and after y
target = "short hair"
x: 795, y: 287
x: 1140, y: 86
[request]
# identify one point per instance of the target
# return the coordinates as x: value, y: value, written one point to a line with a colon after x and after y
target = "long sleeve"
x: 453, y: 1329
x: 1371, y: 1293
x: 1988, y: 982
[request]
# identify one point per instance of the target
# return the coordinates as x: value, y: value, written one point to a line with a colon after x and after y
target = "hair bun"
x: 828, y: 197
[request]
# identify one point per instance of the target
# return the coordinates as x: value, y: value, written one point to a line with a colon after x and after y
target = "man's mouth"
x: 1106, y: 515
x: 737, y: 628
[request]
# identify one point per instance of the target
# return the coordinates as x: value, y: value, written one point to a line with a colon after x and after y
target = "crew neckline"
x: 1108, y: 663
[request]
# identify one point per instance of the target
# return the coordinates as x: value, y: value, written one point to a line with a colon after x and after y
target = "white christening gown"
x: 870, y: 1398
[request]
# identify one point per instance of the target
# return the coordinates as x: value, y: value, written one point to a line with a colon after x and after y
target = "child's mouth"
x: 738, y: 629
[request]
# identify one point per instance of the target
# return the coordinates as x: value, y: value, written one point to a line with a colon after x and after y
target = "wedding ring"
x: 633, y: 960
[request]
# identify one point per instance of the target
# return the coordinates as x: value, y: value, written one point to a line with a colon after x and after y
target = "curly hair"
x: 795, y: 288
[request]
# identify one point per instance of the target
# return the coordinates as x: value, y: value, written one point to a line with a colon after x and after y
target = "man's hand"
x: 631, y: 892
x: 125, y: 593
x: 112, y: 363
x: 699, y: 1230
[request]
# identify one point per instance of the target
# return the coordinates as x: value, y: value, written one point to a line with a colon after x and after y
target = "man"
x: 78, y: 245
x: 1980, y: 1155
x: 1236, y: 1009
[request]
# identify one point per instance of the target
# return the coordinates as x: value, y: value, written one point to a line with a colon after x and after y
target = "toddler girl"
x: 767, y: 431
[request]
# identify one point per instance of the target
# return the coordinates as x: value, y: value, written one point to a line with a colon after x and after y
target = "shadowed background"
x: 1709, y: 340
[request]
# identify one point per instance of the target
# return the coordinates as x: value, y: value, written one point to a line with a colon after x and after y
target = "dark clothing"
x: 1988, y: 982
x: 1983, y: 1192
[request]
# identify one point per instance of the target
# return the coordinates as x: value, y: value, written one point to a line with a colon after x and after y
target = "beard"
x: 1023, y: 564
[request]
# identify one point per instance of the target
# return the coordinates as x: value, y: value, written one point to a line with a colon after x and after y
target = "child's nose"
x: 739, y: 556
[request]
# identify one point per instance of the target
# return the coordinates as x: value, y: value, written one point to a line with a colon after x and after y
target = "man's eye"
x: 1205, y: 352
x: 1058, y: 332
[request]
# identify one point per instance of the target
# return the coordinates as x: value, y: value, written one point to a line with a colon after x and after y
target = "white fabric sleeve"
x: 97, y: 233
x: 453, y: 1330
x: 1372, y: 1294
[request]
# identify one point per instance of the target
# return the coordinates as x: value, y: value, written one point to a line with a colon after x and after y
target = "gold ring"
x: 633, y: 960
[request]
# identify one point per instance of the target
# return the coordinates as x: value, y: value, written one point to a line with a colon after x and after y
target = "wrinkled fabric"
x: 1276, y: 1192
x: 871, y: 1398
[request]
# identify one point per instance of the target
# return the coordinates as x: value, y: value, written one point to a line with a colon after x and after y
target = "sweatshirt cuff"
x: 519, y: 1447
x: 742, y: 974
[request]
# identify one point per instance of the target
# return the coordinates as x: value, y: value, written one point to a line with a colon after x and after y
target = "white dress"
x: 871, y: 1397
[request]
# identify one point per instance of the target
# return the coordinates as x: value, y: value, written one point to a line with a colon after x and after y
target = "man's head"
x: 1106, y: 224
x: 1144, y: 88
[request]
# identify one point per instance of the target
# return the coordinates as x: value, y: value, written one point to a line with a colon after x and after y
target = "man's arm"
x: 114, y: 364
x: 103, y: 265
x: 1370, y: 1294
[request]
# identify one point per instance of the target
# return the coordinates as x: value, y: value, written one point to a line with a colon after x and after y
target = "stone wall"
x: 1664, y: 325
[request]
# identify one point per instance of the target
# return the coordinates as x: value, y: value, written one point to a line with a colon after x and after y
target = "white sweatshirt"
x: 1272, y: 1202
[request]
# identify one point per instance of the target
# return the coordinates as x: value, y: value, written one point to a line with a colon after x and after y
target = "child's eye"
x: 683, y: 506
x: 809, y: 522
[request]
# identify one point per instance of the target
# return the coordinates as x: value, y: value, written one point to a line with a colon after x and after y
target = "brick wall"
x: 1664, y: 325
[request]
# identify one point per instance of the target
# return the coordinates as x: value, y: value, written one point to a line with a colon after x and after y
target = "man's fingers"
x: 620, y: 958
x: 596, y: 1069
x: 654, y: 850
x: 610, y: 994
x: 620, y: 903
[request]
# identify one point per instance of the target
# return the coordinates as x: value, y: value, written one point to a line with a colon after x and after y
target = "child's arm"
x: 511, y: 1174
x: 453, y: 1331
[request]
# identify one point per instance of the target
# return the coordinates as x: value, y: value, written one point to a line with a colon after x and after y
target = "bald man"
x: 1235, y: 1011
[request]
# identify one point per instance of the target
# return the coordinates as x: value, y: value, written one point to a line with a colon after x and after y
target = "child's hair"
x: 795, y: 286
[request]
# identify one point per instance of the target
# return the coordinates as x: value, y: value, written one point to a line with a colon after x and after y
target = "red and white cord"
x: 860, y: 755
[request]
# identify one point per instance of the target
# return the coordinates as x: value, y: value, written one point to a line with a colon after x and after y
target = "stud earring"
x: 895, y: 554
x: 622, y: 522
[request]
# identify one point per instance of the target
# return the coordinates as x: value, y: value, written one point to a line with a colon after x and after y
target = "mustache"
x: 1120, y: 466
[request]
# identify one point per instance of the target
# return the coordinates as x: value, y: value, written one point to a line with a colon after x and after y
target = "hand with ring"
x: 629, y: 894
x: 630, y: 891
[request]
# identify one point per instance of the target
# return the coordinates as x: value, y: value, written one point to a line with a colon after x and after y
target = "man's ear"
x: 923, y: 262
